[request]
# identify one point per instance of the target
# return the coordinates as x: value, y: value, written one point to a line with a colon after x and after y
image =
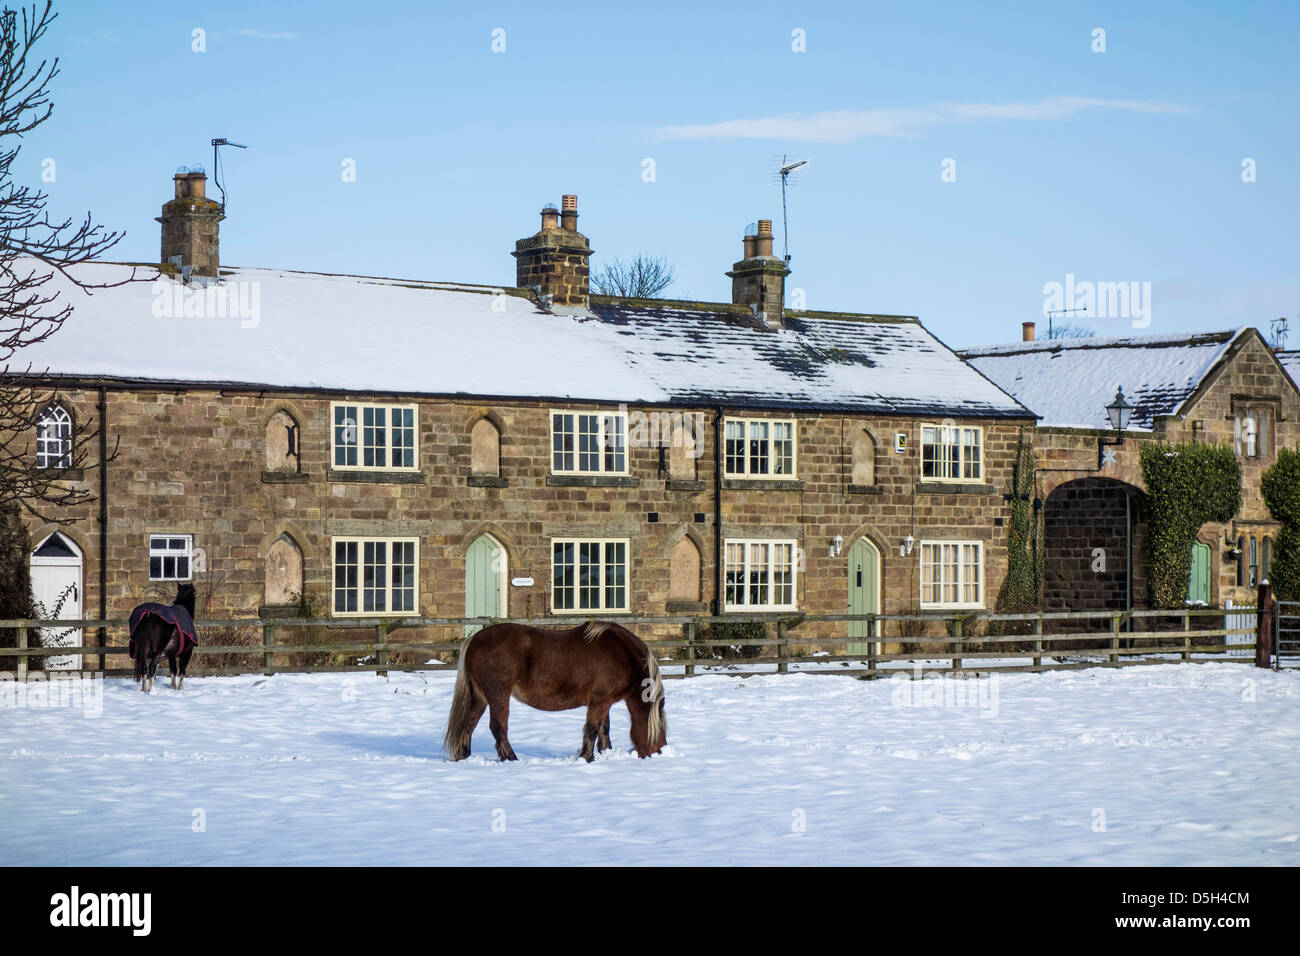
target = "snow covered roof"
x: 1069, y: 382
x: 1291, y: 362
x: 283, y: 329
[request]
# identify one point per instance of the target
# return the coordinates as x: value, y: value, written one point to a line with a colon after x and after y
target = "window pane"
x: 782, y: 448
x: 562, y: 576
x: 588, y: 574
x: 615, y: 453
x: 345, y: 436
x: 735, y: 448
x: 615, y: 575
x: 562, y: 443
x: 735, y: 574
x: 589, y: 443
x: 758, y: 448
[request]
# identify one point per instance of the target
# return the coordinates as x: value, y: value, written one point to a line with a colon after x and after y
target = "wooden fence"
x: 1027, y: 642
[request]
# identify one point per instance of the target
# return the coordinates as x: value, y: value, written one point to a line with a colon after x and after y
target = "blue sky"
x: 1115, y: 166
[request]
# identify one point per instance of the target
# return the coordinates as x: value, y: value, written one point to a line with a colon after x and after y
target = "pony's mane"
x: 657, y: 728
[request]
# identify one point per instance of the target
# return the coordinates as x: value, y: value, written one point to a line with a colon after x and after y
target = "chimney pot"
x: 569, y: 213
x: 1027, y: 331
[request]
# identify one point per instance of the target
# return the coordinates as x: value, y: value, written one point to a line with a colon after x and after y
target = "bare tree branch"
x: 642, y: 278
x: 33, y: 249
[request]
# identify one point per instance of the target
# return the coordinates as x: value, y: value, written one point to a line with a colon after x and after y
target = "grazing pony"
x: 590, y: 666
x: 157, y: 629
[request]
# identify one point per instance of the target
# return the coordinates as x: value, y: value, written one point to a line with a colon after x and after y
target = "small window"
x: 1268, y: 558
x: 1254, y: 561
x: 756, y: 448
x: 588, y: 443
x: 1252, y: 431
x: 952, y: 453
x: 375, y: 576
x: 170, y: 557
x: 589, y: 575
x: 380, y: 437
x: 952, y: 574
x: 1241, y: 561
x: 54, y: 438
x: 760, y: 574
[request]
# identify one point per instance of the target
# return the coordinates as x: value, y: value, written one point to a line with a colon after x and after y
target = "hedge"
x: 1190, y: 483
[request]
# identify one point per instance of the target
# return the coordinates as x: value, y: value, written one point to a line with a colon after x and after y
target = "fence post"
x: 957, y: 633
x: 381, y: 647
x: 1265, y: 609
x: 782, y: 665
x: 873, y: 645
x: 690, y: 648
x: 1038, y: 640
x: 268, y: 648
x: 1187, y: 641
x: 1114, y: 636
x: 22, y: 646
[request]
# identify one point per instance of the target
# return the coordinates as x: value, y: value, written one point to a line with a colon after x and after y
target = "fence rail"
x: 961, y: 649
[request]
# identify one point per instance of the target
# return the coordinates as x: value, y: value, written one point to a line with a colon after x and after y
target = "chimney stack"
x: 190, y: 224
x: 758, y: 280
x: 556, y: 259
x: 1027, y: 331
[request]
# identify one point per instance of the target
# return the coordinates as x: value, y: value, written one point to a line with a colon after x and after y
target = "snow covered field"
x: 1164, y: 765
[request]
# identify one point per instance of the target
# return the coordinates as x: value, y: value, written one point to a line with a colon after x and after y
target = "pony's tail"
x: 656, y: 722
x: 135, y: 648
x: 459, y: 729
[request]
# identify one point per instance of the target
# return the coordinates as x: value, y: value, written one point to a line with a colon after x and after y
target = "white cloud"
x: 263, y: 35
x: 843, y: 126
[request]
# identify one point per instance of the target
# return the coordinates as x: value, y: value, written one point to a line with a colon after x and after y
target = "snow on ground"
x: 1163, y: 765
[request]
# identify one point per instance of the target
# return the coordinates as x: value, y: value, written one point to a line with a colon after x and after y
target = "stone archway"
x: 1094, y: 543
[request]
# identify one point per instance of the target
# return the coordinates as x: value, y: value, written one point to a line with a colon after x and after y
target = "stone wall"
x: 194, y: 461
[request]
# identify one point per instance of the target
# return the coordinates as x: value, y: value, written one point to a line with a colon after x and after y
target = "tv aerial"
x: 216, y: 165
x: 788, y: 166
x: 1061, y: 312
x: 1279, y: 330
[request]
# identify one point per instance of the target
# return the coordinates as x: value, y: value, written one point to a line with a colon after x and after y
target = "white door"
x: 56, y: 585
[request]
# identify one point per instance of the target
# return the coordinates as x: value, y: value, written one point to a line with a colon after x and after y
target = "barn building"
x: 361, y: 447
x: 1222, y: 387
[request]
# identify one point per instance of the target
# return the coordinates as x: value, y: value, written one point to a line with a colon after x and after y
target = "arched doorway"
x: 485, y: 580
x: 1094, y: 543
x: 56, y: 565
x: 864, y: 595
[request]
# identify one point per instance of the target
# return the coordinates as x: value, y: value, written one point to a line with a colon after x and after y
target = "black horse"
x: 157, y: 629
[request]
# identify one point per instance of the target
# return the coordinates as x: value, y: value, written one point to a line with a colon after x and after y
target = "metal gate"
x: 1286, y: 635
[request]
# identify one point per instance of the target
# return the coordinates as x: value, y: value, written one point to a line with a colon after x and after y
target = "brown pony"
x: 590, y: 666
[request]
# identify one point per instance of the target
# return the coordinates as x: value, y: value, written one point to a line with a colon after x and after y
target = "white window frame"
x: 54, y: 450
x: 961, y: 583
x: 748, y: 547
x: 388, y: 587
x: 358, y: 428
x: 164, y: 552
x: 960, y: 444
x: 604, y: 440
x: 602, y: 544
x: 769, y: 450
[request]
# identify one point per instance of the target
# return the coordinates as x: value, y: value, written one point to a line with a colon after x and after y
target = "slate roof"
x: 1069, y: 382
x: 371, y: 335
x: 1290, y: 360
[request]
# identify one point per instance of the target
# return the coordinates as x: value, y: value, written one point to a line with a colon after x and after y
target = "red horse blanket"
x: 173, y: 614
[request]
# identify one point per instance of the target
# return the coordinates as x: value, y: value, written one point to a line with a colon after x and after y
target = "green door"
x: 1198, y: 585
x: 864, y: 593
x: 485, y: 573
